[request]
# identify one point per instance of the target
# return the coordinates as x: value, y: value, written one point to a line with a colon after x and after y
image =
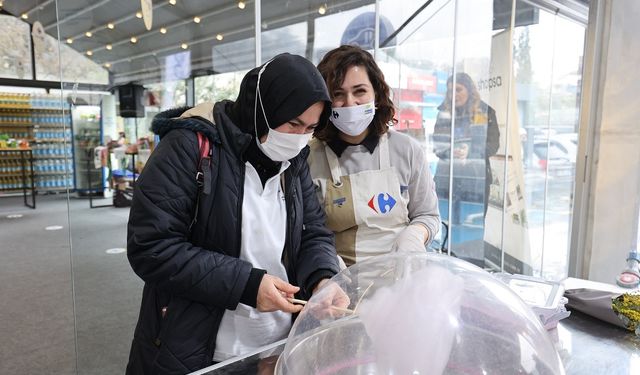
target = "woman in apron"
x: 374, y: 183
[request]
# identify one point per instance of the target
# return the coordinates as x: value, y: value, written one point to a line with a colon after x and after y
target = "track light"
x: 196, y: 19
x: 172, y: 2
x: 89, y: 34
x: 184, y: 46
x: 138, y: 14
x: 322, y: 9
x: 109, y: 47
x: 163, y: 30
x: 111, y: 26
x: 134, y: 40
x: 241, y: 4
x: 219, y: 37
x: 89, y: 53
x: 107, y: 65
x: 69, y: 41
x: 25, y: 16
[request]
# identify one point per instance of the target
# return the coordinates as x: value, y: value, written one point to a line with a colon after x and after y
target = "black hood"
x: 288, y: 86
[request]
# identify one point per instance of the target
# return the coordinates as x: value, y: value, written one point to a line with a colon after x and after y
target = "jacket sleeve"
x: 442, y: 135
x: 423, y: 202
x: 317, y: 258
x: 158, y: 244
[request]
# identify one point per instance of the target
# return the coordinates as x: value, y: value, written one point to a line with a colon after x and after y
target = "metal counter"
x: 586, y: 346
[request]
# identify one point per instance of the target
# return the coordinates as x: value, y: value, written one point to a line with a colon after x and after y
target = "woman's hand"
x: 332, y: 300
x: 461, y: 152
x: 273, y: 293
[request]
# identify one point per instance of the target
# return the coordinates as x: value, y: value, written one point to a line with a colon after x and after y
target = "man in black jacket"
x: 220, y: 260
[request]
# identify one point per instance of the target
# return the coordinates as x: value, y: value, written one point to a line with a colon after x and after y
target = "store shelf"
x: 43, y: 157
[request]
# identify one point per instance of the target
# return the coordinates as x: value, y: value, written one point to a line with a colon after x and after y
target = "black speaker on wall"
x: 131, y: 100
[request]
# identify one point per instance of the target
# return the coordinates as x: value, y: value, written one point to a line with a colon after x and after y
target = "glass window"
x: 15, y: 51
x: 218, y: 87
x: 82, y: 70
x: 547, y: 68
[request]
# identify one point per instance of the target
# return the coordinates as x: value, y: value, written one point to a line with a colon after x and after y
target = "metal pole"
x: 258, y: 31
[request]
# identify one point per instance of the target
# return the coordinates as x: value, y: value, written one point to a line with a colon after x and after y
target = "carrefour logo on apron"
x: 382, y: 203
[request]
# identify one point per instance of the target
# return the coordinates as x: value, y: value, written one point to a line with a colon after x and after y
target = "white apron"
x: 365, y: 210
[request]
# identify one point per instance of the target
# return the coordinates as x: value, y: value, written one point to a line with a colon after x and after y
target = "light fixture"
x: 322, y: 9
x: 163, y: 30
x: 111, y: 26
x: 1, y: 3
x: 109, y: 47
x: 172, y: 2
x: 89, y: 53
x: 107, y: 65
x: 24, y: 16
x: 139, y: 14
x: 241, y: 4
x: 219, y: 37
x: 196, y: 19
x: 134, y: 40
x: 184, y: 46
x: 69, y: 41
x: 89, y: 34
x: 6, y: 65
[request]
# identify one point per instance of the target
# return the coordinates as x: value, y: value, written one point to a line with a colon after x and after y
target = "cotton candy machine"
x: 418, y: 314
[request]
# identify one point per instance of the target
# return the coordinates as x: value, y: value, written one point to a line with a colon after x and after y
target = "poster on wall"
x: 505, y: 197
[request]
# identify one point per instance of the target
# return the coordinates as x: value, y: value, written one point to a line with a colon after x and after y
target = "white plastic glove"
x: 412, y: 238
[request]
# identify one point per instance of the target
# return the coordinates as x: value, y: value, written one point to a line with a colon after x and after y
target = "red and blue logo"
x: 382, y: 203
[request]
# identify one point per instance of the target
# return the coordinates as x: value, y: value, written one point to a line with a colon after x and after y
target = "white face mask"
x: 278, y: 146
x: 353, y: 120
x: 281, y: 146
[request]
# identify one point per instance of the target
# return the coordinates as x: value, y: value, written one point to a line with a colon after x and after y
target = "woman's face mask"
x: 279, y: 146
x: 353, y: 120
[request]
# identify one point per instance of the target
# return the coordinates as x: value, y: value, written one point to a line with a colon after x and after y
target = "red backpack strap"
x: 203, y: 145
x: 203, y: 176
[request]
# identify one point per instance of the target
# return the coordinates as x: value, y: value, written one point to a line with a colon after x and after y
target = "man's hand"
x: 273, y: 293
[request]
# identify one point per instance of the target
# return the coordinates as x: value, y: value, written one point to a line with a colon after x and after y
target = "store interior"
x: 80, y: 82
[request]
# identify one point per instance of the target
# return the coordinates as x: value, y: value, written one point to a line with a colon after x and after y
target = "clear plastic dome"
x: 418, y: 314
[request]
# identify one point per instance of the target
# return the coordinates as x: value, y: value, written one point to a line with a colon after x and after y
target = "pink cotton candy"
x: 410, y: 340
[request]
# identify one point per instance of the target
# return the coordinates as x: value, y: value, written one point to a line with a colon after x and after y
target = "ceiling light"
x: 172, y: 2
x: 107, y: 65
x: 139, y: 14
x: 1, y: 3
x: 322, y: 9
x: 219, y: 37
x: 134, y: 39
x: 25, y: 16
x: 89, y: 53
x: 184, y: 46
x: 196, y: 19
x: 163, y: 30
x: 89, y: 34
x: 111, y: 26
x: 241, y: 4
x: 69, y: 41
x: 109, y: 47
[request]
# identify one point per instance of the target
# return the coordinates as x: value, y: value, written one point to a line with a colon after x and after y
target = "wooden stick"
x: 303, y: 302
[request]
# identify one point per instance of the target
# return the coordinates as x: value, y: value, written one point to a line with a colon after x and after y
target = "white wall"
x: 615, y: 161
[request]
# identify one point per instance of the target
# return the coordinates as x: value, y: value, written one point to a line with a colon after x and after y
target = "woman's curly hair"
x: 333, y: 68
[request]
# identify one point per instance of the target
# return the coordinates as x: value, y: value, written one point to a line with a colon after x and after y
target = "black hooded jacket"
x: 192, y: 276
